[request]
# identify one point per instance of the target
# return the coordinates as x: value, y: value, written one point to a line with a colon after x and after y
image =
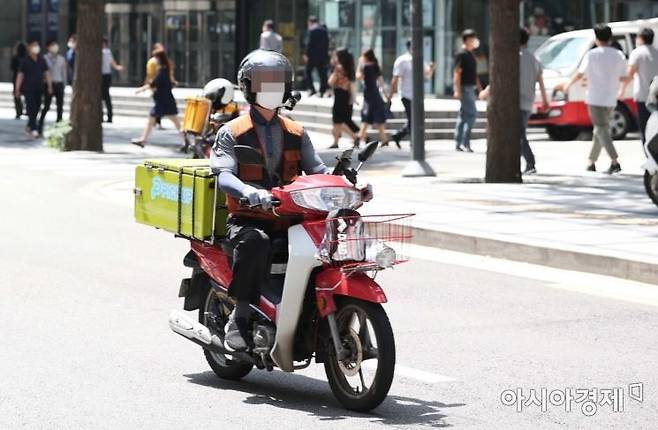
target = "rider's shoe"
x: 235, y: 333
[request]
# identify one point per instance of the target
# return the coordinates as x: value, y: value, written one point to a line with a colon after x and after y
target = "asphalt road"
x: 86, y: 293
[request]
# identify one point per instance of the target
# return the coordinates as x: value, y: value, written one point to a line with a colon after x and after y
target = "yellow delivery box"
x: 178, y: 195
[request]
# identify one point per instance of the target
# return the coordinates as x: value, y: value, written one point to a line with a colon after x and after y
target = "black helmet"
x: 260, y: 67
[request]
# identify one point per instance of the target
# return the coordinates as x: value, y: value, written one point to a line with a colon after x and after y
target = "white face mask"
x: 54, y: 49
x: 476, y: 43
x: 271, y: 95
x: 71, y: 44
x: 269, y: 100
x: 35, y: 50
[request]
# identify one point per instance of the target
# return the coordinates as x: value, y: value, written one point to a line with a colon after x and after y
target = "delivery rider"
x: 265, y: 78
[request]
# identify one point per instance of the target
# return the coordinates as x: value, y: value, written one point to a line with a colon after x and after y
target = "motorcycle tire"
x: 225, y: 368
x: 651, y: 186
x: 374, y: 395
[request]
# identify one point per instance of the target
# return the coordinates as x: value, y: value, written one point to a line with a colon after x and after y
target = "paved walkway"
x: 563, y: 216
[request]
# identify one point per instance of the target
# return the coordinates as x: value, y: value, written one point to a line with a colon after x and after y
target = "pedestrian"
x: 605, y: 68
x: 530, y: 73
x: 58, y: 72
x: 70, y: 55
x: 19, y: 53
x: 270, y: 40
x: 342, y: 81
x: 152, y: 70
x: 373, y: 112
x: 107, y: 65
x: 165, y: 104
x: 642, y: 68
x: 317, y: 55
x: 403, y: 80
x: 466, y: 83
x: 32, y: 75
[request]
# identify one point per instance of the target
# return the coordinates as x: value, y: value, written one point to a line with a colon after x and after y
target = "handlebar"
x: 245, y: 202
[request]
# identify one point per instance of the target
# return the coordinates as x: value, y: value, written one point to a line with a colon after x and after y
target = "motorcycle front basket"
x: 366, y: 242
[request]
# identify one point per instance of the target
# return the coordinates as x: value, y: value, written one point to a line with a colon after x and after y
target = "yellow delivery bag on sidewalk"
x: 179, y: 195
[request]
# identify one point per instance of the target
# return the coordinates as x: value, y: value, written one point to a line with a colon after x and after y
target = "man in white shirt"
x: 270, y: 40
x: 642, y: 68
x: 403, y: 78
x: 107, y: 64
x: 58, y: 74
x: 605, y: 68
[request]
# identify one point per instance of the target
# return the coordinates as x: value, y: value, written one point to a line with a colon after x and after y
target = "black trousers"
x: 33, y: 100
x: 18, y: 103
x: 105, y: 88
x: 251, y: 257
x: 643, y: 115
x: 58, y: 94
x: 322, y: 72
x: 404, y: 131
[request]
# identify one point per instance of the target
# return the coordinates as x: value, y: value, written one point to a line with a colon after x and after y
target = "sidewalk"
x: 563, y: 217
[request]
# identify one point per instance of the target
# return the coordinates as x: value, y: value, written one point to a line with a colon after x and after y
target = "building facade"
x: 207, y: 38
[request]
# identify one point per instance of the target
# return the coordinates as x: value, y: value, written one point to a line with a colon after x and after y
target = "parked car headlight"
x: 327, y: 199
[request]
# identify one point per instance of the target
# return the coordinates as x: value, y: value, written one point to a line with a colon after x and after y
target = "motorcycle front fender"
x: 331, y: 282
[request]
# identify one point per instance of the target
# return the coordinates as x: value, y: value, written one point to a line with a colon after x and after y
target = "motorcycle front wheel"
x: 361, y: 381
x: 214, y: 315
x: 651, y: 186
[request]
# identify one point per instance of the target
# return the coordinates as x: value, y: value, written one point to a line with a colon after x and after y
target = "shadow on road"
x: 312, y: 396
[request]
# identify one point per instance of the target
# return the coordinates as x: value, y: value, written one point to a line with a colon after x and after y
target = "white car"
x: 561, y: 56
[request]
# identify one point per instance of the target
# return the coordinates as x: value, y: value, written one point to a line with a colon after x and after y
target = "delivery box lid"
x: 198, y: 167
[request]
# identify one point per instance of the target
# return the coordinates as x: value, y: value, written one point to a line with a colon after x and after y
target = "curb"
x: 534, y: 254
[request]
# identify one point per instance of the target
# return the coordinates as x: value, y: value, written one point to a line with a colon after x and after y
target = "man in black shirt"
x: 316, y: 55
x: 32, y: 73
x: 466, y: 82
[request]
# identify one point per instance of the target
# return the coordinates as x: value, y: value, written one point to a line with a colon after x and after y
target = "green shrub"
x: 55, y: 134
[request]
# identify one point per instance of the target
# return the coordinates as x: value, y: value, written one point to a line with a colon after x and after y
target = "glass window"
x: 563, y: 53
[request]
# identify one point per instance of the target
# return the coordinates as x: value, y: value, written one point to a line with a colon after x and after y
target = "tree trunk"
x: 503, y: 113
x: 86, y: 111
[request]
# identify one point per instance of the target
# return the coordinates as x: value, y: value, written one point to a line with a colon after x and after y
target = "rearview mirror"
x: 248, y: 155
x: 367, y: 152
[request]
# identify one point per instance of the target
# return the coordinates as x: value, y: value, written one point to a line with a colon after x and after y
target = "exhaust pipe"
x: 181, y: 323
x: 191, y: 329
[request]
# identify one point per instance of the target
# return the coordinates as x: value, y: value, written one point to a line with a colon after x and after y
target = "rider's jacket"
x: 242, y: 129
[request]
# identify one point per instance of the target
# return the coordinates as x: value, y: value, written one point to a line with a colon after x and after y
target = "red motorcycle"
x: 322, y: 301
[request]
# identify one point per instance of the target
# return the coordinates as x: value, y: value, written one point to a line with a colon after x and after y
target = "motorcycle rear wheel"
x: 651, y: 186
x: 359, y: 324
x: 214, y: 315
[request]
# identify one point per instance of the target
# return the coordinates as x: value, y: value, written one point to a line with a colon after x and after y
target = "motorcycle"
x: 322, y: 301
x: 651, y: 145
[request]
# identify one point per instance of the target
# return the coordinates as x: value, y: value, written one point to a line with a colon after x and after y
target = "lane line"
x: 411, y: 373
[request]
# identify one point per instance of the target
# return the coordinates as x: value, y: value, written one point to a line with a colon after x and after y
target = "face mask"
x: 54, y: 49
x: 71, y: 45
x: 476, y: 43
x: 35, y: 50
x: 269, y: 100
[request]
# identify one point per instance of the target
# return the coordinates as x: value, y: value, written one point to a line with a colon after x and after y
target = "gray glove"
x: 258, y: 197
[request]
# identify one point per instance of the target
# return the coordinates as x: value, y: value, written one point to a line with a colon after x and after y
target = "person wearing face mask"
x: 58, y: 73
x: 265, y: 78
x: 466, y: 82
x: 70, y: 55
x: 32, y: 74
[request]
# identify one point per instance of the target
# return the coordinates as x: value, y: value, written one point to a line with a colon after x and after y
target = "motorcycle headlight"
x: 327, y: 199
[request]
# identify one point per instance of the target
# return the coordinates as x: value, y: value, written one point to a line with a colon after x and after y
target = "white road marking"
x: 411, y: 373
x: 580, y: 282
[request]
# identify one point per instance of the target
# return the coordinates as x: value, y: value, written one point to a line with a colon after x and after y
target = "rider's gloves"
x: 366, y: 191
x: 258, y: 197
